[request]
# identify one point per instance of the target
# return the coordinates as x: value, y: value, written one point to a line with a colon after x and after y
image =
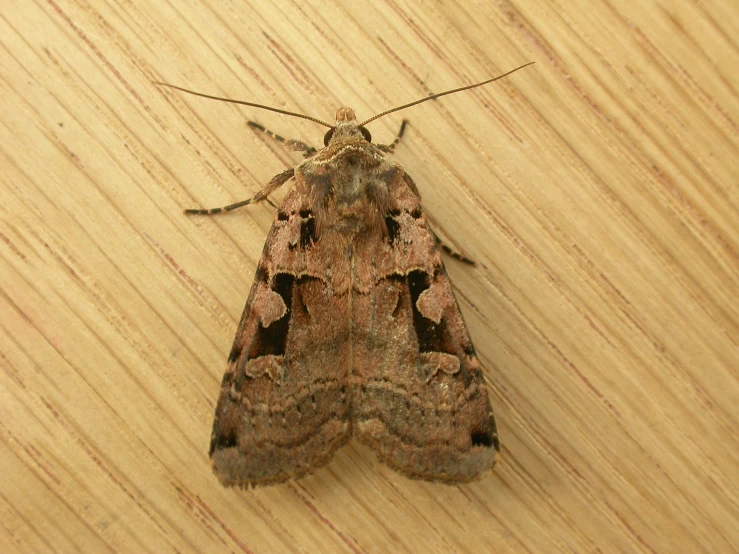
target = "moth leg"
x: 292, y: 144
x: 276, y: 182
x: 453, y: 253
x: 461, y: 256
x: 388, y: 148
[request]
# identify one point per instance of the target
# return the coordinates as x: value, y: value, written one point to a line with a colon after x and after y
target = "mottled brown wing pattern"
x: 420, y: 399
x: 351, y: 326
x: 284, y: 405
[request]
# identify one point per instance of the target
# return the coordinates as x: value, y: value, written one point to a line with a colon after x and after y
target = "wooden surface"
x: 597, y: 189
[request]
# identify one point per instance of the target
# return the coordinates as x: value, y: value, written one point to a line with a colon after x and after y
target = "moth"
x: 351, y: 328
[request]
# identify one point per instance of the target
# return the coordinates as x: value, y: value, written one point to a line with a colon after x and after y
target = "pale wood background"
x: 597, y: 189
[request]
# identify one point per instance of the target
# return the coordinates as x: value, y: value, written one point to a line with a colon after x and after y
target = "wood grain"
x: 598, y: 190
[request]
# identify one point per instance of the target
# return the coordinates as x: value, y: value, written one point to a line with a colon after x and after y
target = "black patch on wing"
x: 222, y: 439
x: 307, y: 229
x: 393, y: 227
x: 481, y: 438
x: 432, y: 337
x: 261, y: 276
x: 273, y: 339
x: 487, y: 435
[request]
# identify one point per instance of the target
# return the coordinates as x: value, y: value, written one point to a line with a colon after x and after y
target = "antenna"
x: 316, y: 120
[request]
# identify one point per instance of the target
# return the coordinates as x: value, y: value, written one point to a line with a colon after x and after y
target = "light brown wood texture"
x: 598, y: 191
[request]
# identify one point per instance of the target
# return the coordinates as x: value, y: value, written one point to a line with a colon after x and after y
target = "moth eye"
x: 327, y: 136
x: 366, y: 134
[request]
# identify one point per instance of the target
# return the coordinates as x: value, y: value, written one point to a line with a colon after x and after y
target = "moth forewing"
x: 351, y: 328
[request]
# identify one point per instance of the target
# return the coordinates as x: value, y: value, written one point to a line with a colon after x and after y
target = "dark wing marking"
x: 420, y: 400
x: 284, y: 403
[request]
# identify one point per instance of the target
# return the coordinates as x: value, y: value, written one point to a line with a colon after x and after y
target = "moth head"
x: 346, y: 128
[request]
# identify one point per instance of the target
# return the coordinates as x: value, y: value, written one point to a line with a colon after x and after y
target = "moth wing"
x: 283, y: 407
x: 421, y: 402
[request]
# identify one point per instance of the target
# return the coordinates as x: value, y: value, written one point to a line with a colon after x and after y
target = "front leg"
x: 292, y: 144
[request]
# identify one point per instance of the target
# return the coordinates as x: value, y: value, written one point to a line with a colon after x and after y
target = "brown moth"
x: 351, y: 328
